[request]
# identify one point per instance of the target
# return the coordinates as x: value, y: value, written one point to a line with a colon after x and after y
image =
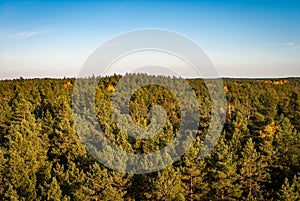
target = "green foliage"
x: 253, y: 172
x: 256, y: 158
x: 223, y: 174
x: 290, y: 192
x: 166, y: 185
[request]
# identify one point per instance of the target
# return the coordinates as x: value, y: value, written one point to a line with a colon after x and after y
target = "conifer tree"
x: 252, y: 172
x: 194, y: 174
x: 102, y: 184
x: 166, y: 185
x: 287, y: 141
x: 290, y: 192
x: 53, y: 192
x: 27, y: 153
x: 2, y: 172
x: 224, y: 176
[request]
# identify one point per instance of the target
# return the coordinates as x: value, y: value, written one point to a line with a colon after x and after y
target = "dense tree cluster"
x: 257, y: 156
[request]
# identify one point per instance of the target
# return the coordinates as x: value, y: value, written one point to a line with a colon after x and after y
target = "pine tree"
x: 252, y: 173
x: 269, y: 155
x: 2, y: 172
x: 287, y: 141
x: 166, y: 185
x: 194, y: 174
x: 54, y: 193
x: 27, y: 153
x: 290, y: 192
x: 103, y: 184
x: 224, y: 174
x: 238, y: 135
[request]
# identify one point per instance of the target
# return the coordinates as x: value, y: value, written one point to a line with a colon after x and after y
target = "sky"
x: 245, y: 38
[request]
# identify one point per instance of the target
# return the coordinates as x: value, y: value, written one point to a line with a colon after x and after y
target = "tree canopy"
x: 257, y: 156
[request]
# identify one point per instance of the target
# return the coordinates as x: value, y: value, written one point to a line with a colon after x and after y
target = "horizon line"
x: 189, y: 78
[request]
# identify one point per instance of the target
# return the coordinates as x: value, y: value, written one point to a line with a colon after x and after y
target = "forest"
x: 257, y: 156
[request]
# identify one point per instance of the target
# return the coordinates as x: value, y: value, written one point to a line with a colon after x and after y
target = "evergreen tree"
x: 194, y: 174
x: 290, y: 192
x: 53, y: 192
x: 252, y: 172
x: 101, y: 184
x: 27, y: 153
x: 166, y: 185
x: 287, y: 141
x: 223, y: 174
x: 2, y: 172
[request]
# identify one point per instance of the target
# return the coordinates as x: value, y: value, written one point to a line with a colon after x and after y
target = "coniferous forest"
x: 257, y: 156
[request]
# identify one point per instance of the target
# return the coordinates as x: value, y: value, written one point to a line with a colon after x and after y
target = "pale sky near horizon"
x: 246, y: 38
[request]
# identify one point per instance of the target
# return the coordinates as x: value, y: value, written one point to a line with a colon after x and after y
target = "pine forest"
x: 257, y: 156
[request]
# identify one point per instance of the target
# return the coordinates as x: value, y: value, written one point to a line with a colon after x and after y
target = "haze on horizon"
x: 258, y: 38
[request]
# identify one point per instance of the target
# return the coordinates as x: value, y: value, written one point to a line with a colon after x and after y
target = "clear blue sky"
x: 246, y: 38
